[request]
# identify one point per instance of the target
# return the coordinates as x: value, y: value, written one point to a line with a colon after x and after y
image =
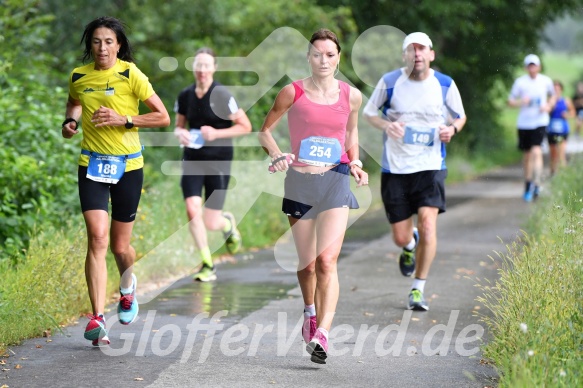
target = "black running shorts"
x: 528, y: 138
x: 556, y: 138
x: 212, y: 175
x: 404, y: 194
x: 125, y: 194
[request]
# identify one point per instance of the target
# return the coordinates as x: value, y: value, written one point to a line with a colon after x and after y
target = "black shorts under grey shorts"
x: 404, y: 194
x: 125, y: 194
x: 307, y: 195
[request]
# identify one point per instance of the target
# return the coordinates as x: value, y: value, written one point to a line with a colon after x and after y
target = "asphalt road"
x: 244, y: 329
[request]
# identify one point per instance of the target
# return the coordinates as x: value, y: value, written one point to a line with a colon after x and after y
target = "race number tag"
x: 320, y: 151
x: 419, y: 136
x: 535, y: 102
x: 196, y: 139
x: 556, y: 126
x: 106, y: 168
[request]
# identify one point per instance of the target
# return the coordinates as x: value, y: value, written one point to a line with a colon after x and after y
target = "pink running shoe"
x: 96, y: 331
x: 309, y: 327
x: 318, y: 348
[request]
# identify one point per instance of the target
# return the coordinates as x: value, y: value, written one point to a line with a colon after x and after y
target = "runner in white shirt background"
x: 534, y: 94
x: 421, y: 110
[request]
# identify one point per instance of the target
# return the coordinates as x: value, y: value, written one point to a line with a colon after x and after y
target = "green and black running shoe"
x: 233, y: 236
x: 417, y: 301
x: 205, y: 274
x: 407, y: 258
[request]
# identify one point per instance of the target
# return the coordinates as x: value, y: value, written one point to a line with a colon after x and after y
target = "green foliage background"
x: 479, y: 43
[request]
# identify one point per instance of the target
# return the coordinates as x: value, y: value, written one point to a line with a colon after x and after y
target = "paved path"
x: 375, y: 340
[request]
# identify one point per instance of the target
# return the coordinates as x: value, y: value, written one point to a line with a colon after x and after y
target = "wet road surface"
x: 243, y: 329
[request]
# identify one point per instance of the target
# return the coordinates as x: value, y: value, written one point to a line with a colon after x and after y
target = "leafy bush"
x: 37, y: 181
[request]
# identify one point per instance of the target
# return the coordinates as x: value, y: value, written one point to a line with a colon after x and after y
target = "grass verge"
x: 536, y: 305
x: 46, y: 290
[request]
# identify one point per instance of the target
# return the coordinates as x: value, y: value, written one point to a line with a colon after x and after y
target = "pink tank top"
x: 318, y: 132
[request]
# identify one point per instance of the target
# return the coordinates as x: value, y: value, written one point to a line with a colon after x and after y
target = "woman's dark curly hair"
x: 117, y: 26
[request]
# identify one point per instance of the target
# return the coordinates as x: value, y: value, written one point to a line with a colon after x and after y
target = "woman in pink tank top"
x: 322, y: 119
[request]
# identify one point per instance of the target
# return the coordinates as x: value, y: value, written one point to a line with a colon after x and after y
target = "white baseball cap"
x: 531, y: 58
x: 419, y: 38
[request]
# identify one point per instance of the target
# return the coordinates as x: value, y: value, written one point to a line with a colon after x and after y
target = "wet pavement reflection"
x: 190, y: 298
x: 247, y: 285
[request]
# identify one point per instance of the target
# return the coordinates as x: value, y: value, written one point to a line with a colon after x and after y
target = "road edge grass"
x: 536, y: 305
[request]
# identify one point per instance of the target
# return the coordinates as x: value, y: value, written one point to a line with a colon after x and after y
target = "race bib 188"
x: 106, y: 168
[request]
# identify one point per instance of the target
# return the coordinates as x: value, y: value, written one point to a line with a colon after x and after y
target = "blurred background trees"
x: 480, y: 44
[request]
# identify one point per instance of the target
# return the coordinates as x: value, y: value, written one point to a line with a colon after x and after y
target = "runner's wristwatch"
x: 129, y: 124
x: 70, y: 120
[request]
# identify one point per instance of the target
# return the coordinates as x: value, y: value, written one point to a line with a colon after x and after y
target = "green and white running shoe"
x: 233, y: 236
x: 205, y: 274
x: 417, y: 301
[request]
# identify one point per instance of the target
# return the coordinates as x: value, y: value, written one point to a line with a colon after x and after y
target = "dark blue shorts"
x: 404, y: 194
x: 125, y: 194
x: 307, y: 195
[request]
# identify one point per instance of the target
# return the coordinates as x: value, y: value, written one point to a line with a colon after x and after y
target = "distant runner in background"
x: 207, y: 118
x: 534, y: 94
x: 558, y: 129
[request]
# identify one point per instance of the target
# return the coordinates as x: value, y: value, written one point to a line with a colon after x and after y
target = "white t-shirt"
x: 423, y: 106
x: 538, y: 90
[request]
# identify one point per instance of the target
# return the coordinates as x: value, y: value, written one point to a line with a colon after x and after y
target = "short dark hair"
x: 117, y: 26
x: 324, y: 34
x: 206, y: 50
x: 557, y: 82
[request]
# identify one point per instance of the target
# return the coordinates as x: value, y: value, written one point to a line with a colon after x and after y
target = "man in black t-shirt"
x: 207, y: 118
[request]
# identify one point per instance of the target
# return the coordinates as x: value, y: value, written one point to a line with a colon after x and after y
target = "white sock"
x: 125, y: 291
x: 311, y: 309
x: 418, y: 284
x: 411, y: 245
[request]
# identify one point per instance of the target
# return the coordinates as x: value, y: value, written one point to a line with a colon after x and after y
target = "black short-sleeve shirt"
x: 213, y: 109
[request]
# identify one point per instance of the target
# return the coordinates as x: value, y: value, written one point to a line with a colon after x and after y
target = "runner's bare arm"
x: 158, y: 117
x: 351, y: 143
x: 241, y: 126
x: 73, y: 110
x: 283, y: 102
x: 180, y: 130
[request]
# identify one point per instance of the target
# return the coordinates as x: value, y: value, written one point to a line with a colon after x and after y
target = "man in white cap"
x: 534, y: 94
x: 420, y: 112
